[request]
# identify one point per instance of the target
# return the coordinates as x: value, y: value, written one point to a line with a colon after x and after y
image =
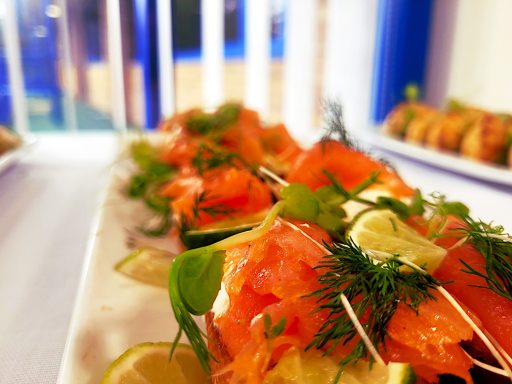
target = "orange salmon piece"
x: 430, y: 340
x: 227, y: 192
x: 286, y: 248
x: 277, y: 141
x: 493, y: 310
x: 180, y: 152
x: 243, y: 137
x: 348, y: 166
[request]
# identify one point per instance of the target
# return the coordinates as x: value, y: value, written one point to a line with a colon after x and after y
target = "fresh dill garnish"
x: 213, y: 123
x: 208, y: 158
x: 211, y: 210
x: 335, y: 128
x: 188, y: 222
x: 496, y: 247
x: 374, y: 289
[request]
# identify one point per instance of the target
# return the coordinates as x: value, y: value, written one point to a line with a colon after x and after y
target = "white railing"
x: 329, y: 53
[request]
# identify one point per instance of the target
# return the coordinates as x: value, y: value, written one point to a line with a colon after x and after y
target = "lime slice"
x: 219, y: 230
x: 312, y: 367
x: 382, y: 230
x: 148, y: 265
x: 149, y: 363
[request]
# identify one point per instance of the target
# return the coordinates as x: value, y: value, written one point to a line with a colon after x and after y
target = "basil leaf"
x: 199, y: 278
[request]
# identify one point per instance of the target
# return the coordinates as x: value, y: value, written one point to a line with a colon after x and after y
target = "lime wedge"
x: 312, y: 367
x: 382, y: 230
x: 148, y: 265
x: 148, y: 363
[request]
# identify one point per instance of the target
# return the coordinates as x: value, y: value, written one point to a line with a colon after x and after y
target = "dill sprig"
x: 335, y: 128
x: 374, y: 289
x: 211, y: 210
x: 208, y: 158
x: 189, y: 222
x: 495, y: 245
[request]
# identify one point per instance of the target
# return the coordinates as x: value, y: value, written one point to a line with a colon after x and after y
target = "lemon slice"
x: 311, y: 367
x: 382, y: 230
x: 148, y: 265
x: 148, y: 363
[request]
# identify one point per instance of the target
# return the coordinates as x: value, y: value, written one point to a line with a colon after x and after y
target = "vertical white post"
x: 115, y: 57
x: 440, y: 51
x: 212, y: 38
x: 258, y: 55
x: 69, y: 99
x: 349, y: 53
x: 165, y: 62
x: 299, y: 66
x: 16, y: 84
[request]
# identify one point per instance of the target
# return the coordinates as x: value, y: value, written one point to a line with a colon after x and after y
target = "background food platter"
x: 451, y: 162
x: 9, y: 158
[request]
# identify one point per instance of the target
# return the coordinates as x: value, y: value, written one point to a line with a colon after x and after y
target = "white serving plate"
x: 458, y: 164
x: 113, y: 312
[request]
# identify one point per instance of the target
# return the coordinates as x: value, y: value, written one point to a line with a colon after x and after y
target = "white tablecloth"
x: 47, y: 202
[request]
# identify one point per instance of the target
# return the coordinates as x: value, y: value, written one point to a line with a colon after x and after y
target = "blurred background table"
x: 47, y: 206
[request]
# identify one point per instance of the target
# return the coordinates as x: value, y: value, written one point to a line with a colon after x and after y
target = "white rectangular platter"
x: 112, y: 312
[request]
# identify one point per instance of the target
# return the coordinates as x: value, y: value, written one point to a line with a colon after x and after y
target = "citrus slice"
x: 382, y: 230
x: 312, y: 367
x: 148, y: 363
x: 221, y: 229
x: 148, y: 265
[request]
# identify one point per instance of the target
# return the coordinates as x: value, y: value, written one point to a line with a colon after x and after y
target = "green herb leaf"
x: 185, y: 321
x: 395, y: 205
x: 271, y: 332
x: 412, y: 92
x: 200, y: 123
x: 207, y: 124
x: 455, y: 208
x: 300, y: 202
x: 417, y: 206
x: 199, y: 278
x: 138, y: 185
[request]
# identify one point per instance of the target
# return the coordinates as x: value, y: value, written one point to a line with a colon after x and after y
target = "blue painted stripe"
x: 403, y: 28
x: 147, y: 55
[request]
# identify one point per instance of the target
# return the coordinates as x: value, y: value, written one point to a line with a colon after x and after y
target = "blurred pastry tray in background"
x: 452, y: 162
x: 12, y: 156
x: 462, y: 138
